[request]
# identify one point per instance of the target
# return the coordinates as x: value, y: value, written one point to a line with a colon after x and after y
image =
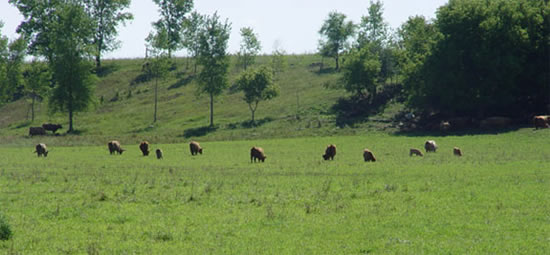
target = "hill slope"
x: 125, y: 107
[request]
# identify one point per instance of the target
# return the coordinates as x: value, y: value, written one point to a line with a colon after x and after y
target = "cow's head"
x: 200, y: 151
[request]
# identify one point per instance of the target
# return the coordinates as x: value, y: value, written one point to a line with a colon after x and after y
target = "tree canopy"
x: 335, y: 34
x: 250, y: 47
x: 169, y: 28
x: 257, y: 85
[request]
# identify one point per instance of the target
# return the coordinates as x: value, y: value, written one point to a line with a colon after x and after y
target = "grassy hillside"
x: 304, y: 107
x: 493, y: 200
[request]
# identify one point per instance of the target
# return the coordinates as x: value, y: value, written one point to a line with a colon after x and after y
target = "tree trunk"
x: 336, y: 58
x: 70, y: 121
x: 98, y: 60
x: 32, y: 110
x: 211, y: 109
x: 156, y: 100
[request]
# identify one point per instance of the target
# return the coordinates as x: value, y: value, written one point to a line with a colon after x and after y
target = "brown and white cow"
x: 541, y: 121
x: 144, y: 147
x: 195, y: 148
x: 330, y: 152
x: 457, y: 151
x: 430, y: 146
x: 41, y: 149
x: 416, y: 152
x: 114, y: 146
x: 257, y: 153
x: 368, y: 156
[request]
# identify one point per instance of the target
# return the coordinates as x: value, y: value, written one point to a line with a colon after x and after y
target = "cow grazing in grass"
x: 368, y: 156
x: 416, y: 152
x: 51, y: 127
x: 457, y: 151
x: 430, y: 146
x: 144, y: 147
x: 159, y: 153
x: 41, y: 149
x: 257, y: 153
x: 541, y: 121
x: 330, y: 152
x: 37, y: 131
x: 114, y: 146
x: 195, y: 148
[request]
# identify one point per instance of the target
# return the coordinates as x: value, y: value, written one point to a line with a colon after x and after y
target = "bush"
x: 5, y: 229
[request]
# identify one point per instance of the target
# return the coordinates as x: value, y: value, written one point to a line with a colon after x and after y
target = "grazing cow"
x: 51, y: 127
x: 430, y: 146
x: 416, y: 152
x: 195, y: 148
x: 159, y: 153
x: 368, y: 156
x: 37, y: 131
x: 541, y: 121
x: 257, y: 153
x: 41, y: 149
x: 444, y: 126
x: 495, y: 122
x: 330, y: 152
x: 114, y: 146
x: 144, y: 147
x: 457, y: 151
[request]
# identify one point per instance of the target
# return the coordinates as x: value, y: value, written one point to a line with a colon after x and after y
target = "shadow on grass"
x: 200, y: 131
x: 105, y: 70
x: 182, y: 82
x: 466, y: 132
x: 249, y: 123
x: 144, y: 129
x: 327, y: 70
x: 353, y: 110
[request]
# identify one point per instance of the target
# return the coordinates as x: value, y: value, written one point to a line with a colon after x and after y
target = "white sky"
x: 292, y: 24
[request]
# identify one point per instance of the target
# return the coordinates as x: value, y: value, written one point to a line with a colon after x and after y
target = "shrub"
x: 5, y: 229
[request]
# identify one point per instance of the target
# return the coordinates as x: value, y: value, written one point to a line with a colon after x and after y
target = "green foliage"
x: 373, y: 29
x: 361, y: 72
x: 250, y: 47
x: 14, y: 69
x: 213, y: 57
x: 106, y: 15
x: 492, y: 57
x: 335, y: 33
x: 5, y: 229
x: 257, y: 85
x: 171, y: 24
x: 37, y: 80
x: 4, y: 53
x: 278, y: 62
x: 71, y: 69
x: 191, y: 34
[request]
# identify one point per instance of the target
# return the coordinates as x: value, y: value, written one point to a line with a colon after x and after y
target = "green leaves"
x: 170, y: 26
x: 250, y: 47
x: 335, y: 33
x: 361, y: 72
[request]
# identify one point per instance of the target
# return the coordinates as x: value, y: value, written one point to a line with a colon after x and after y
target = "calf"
x: 257, y: 153
x: 41, y: 149
x: 195, y: 148
x: 457, y: 151
x: 368, y: 156
x: 159, y: 153
x: 416, y: 152
x: 430, y: 146
x: 330, y: 152
x: 114, y: 146
x: 144, y: 147
x: 37, y: 131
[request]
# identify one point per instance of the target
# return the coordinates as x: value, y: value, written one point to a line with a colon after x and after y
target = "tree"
x: 157, y: 68
x: 361, y: 72
x: 191, y: 33
x: 37, y: 78
x: 373, y: 28
x: 250, y: 47
x: 14, y: 69
x: 70, y: 61
x: 335, y: 33
x: 278, y: 61
x: 4, y: 53
x: 257, y: 85
x: 172, y: 21
x: 213, y: 57
x: 106, y: 16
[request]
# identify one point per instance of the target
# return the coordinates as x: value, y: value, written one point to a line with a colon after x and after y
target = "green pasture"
x: 493, y: 200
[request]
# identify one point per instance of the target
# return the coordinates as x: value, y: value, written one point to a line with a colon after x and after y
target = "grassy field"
x: 493, y: 200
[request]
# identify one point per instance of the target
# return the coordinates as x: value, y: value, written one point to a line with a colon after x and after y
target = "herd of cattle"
x: 256, y: 153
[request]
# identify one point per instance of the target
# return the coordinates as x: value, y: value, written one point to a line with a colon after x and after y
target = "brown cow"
x: 144, y: 147
x: 430, y: 146
x: 257, y: 153
x: 159, y: 153
x: 368, y: 156
x: 541, y: 121
x: 41, y: 149
x: 195, y: 148
x: 37, y: 131
x: 416, y: 152
x: 330, y: 152
x: 51, y: 127
x: 457, y: 151
x: 114, y: 146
